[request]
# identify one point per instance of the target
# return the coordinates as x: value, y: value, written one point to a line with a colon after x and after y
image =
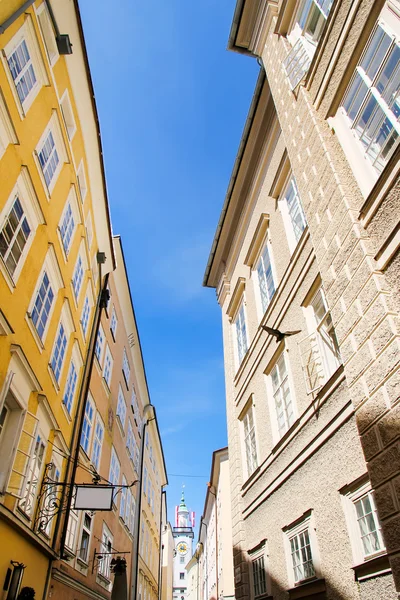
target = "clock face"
x: 182, y: 548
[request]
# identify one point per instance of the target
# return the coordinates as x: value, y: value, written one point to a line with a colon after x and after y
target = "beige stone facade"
x: 214, y: 549
x: 308, y: 244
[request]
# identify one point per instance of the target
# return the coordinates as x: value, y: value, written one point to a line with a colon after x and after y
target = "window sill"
x: 285, y: 436
x: 307, y: 589
x: 66, y: 413
x: 35, y: 335
x: 379, y: 565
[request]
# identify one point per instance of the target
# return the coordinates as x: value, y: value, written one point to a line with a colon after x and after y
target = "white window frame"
x: 97, y: 445
x: 349, y: 498
x: 88, y: 425
x: 362, y: 166
x: 289, y: 223
x: 115, y: 468
x: 70, y: 387
x: 67, y: 323
x: 319, y: 350
x: 121, y: 408
x: 237, y: 326
x: 88, y: 532
x: 305, y: 524
x: 289, y: 418
x: 100, y: 345
x: 7, y: 132
x: 108, y: 366
x: 72, y: 530
x: 48, y: 33
x: 255, y: 557
x: 78, y: 276
x: 123, y: 500
x: 266, y: 247
x: 68, y: 115
x: 304, y: 41
x: 26, y: 33
x: 53, y: 128
x: 104, y: 568
x: 24, y: 191
x: 86, y: 313
x: 249, y: 465
x: 114, y: 323
x: 82, y: 182
x: 126, y: 369
x: 89, y: 228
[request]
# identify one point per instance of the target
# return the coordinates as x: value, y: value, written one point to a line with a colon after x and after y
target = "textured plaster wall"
x: 359, y: 296
x: 364, y: 312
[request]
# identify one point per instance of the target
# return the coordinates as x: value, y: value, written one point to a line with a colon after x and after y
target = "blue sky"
x: 172, y: 104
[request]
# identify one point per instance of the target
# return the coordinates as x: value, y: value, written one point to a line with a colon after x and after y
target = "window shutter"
x: 19, y: 472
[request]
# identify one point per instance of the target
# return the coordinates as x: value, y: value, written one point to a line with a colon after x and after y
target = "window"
x: 181, y: 575
x: 368, y: 523
x: 126, y: 370
x: 48, y: 158
x: 302, y: 560
x: 114, y: 468
x: 85, y: 537
x: 306, y: 32
x: 265, y: 278
x: 77, y: 277
x: 121, y: 407
x: 72, y: 526
x: 68, y: 115
x: 319, y: 350
x: 363, y: 522
x: 14, y: 236
x: 249, y: 435
x: 50, y: 153
x: 67, y: 226
x: 241, y: 335
x: 182, y: 559
x: 89, y: 229
x: 130, y: 442
x: 36, y: 462
x: 282, y: 397
x: 70, y: 387
x: 23, y: 72
x: 106, y: 548
x: 122, y: 503
x: 301, y: 550
x: 7, y: 131
x: 42, y: 305
x: 108, y: 364
x: 85, y: 316
x: 114, y: 323
x: 145, y: 480
x: 87, y: 425
x: 292, y: 213
x: 48, y: 33
x: 97, y: 442
x: 259, y: 580
x: 127, y: 514
x: 80, y: 174
x: 58, y: 355
x: 99, y: 344
x: 371, y: 102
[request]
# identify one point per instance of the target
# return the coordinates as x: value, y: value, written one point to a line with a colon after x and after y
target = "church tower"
x: 183, y: 540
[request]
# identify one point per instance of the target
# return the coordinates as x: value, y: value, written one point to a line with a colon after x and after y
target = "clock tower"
x: 183, y: 540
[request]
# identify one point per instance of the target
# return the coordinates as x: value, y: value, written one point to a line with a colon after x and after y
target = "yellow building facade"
x: 54, y: 220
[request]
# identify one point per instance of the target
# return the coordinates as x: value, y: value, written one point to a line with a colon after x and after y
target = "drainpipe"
x: 136, y: 527
x: 102, y: 301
